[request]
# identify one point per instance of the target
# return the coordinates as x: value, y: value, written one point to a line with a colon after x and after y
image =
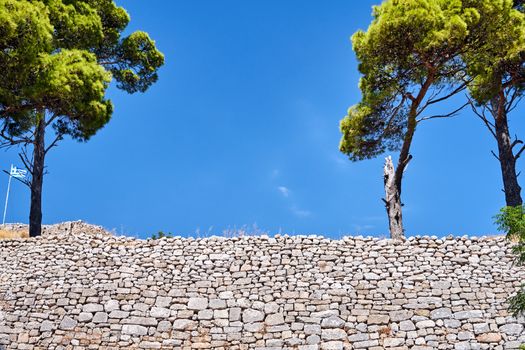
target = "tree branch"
x: 513, y: 101
x: 24, y: 181
x: 454, y: 92
x: 10, y: 141
x: 25, y: 160
x: 519, y: 152
x: 482, y: 116
x: 516, y: 142
x: 54, y: 143
x: 449, y: 115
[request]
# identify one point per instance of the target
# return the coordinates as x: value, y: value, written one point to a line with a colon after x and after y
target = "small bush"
x: 161, y: 234
x: 511, y: 220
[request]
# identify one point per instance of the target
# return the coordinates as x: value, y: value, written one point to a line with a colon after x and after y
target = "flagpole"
x: 7, y: 198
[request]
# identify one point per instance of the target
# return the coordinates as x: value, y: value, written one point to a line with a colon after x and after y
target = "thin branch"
x: 482, y: 116
x: 405, y: 163
x: 513, y: 82
x: 392, y: 117
x: 25, y: 160
x: 410, y: 96
x: 516, y: 142
x: 494, y: 154
x: 519, y: 152
x: 513, y: 101
x: 24, y: 181
x: 431, y: 101
x: 54, y: 143
x: 449, y: 115
x: 436, y: 92
x: 53, y: 117
x: 10, y: 141
x: 512, y: 106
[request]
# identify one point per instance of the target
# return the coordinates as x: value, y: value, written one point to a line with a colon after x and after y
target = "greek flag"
x: 18, y: 173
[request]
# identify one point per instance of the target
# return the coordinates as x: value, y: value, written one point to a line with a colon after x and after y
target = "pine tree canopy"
x: 412, y: 56
x: 58, y: 57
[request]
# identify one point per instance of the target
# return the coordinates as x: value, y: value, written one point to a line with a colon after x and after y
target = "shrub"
x: 511, y: 220
x: 161, y: 234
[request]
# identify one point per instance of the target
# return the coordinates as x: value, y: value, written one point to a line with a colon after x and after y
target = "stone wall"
x: 63, y: 228
x: 96, y: 291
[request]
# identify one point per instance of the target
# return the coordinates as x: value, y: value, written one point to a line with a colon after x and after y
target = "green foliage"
x: 58, y: 57
x: 74, y: 76
x: 511, y: 220
x: 161, y: 234
x: 138, y: 63
x: 410, y: 52
x: 498, y: 59
x: 25, y: 32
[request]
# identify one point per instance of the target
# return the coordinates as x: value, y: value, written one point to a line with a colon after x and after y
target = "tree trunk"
x: 506, y: 157
x: 393, y: 201
x: 394, y: 177
x: 37, y: 179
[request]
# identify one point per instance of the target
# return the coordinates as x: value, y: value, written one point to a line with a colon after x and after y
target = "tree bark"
x: 393, y: 201
x: 37, y: 179
x: 394, y: 177
x: 506, y: 156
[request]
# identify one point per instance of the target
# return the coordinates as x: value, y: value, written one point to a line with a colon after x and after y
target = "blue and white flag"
x: 18, y: 173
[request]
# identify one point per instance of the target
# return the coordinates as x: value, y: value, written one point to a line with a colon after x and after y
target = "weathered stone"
x: 92, y: 308
x: 250, y: 316
x: 425, y: 324
x: 393, y: 342
x: 46, y: 326
x: 470, y: 314
x: 378, y: 319
x: 407, y: 325
x: 143, y: 321
x: 332, y: 322
x: 489, y: 338
x: 184, y: 325
x: 134, y: 330
x: 111, y: 305
x: 67, y: 323
x: 100, y: 317
x: 512, y: 329
x: 197, y: 303
x: 274, y: 319
x: 440, y: 313
x: 85, y: 317
x: 160, y: 312
x: 333, y: 334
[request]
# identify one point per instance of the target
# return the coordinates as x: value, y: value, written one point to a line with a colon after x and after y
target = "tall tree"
x: 57, y: 58
x: 498, y: 85
x: 410, y: 59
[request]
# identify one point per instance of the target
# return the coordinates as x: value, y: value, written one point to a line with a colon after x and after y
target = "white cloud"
x: 285, y: 191
x: 301, y: 212
x: 360, y: 228
x: 340, y: 160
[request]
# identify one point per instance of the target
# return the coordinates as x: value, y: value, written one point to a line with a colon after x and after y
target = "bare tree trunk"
x: 394, y: 177
x: 393, y: 201
x: 37, y: 179
x: 506, y: 156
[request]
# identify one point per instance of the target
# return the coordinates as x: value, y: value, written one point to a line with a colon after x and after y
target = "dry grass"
x: 11, y: 234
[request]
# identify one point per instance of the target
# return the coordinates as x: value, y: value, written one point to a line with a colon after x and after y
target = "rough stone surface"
x: 91, y: 290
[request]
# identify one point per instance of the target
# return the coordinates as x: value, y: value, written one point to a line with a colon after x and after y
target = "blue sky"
x: 242, y: 129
